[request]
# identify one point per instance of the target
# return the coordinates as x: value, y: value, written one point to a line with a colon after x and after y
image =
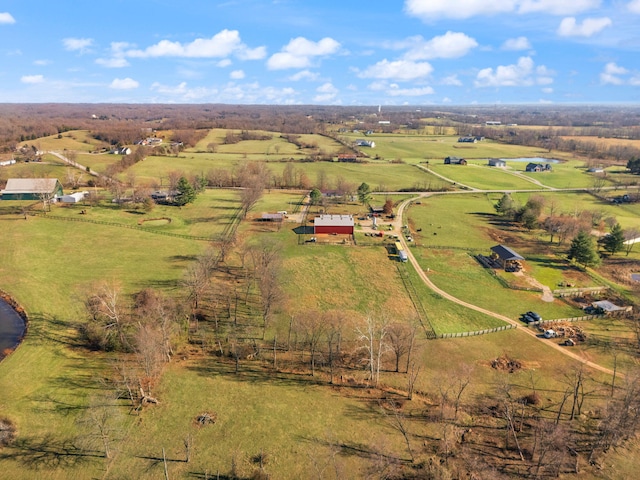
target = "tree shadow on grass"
x: 353, y: 449
x: 248, y: 373
x: 47, y: 452
x: 43, y: 326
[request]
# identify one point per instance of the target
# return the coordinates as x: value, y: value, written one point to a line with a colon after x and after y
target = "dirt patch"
x: 505, y: 363
x: 7, y: 432
x: 154, y: 222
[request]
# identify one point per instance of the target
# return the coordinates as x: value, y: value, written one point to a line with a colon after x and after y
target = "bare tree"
x: 109, y: 326
x: 314, y: 327
x: 101, y: 425
x: 401, y: 337
x: 373, y: 336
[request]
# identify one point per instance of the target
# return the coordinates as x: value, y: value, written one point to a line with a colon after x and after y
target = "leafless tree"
x: 401, y: 338
x: 314, y: 328
x: 109, y: 325
x: 101, y: 425
x: 373, y: 336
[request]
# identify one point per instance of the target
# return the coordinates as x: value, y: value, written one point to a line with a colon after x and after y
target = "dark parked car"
x: 531, y: 317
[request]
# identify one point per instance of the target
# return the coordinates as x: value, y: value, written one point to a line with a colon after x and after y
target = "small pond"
x: 12, y: 328
x: 635, y: 277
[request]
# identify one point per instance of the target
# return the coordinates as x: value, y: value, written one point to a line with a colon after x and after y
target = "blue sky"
x: 415, y: 52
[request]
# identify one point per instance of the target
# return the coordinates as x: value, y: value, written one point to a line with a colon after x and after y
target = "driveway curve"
x: 427, y: 281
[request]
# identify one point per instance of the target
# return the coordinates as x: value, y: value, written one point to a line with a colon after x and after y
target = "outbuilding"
x: 32, y: 189
x: 333, y: 224
x: 497, y: 162
x: 74, y: 197
x: 507, y: 258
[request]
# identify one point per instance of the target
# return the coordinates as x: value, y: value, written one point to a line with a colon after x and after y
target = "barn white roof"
x: 334, y: 221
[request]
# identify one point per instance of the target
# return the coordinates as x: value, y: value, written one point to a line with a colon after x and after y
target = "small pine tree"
x: 614, y: 242
x: 187, y: 192
x: 364, y: 193
x: 505, y: 206
x: 583, y: 250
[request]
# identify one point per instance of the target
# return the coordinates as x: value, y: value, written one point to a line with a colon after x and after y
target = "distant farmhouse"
x: 6, y: 163
x: 455, y: 161
x: 492, y: 122
x: 121, y: 151
x: 470, y: 139
x: 333, y: 224
x: 32, y: 189
x: 348, y: 157
x: 497, y: 162
x: 365, y: 143
x: 538, y: 167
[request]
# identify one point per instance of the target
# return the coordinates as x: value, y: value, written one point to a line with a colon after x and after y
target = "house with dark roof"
x: 538, y: 167
x: 497, y: 162
x: 506, y: 257
x: 455, y: 161
x: 32, y: 189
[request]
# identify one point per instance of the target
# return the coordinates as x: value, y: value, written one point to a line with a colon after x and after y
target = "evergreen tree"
x: 583, y: 250
x: 614, y: 242
x: 315, y: 196
x: 634, y: 165
x: 505, y: 206
x: 187, y: 192
x: 364, y: 193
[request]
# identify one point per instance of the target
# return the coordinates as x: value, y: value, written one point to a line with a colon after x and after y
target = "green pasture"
x: 569, y: 174
x: 208, y: 216
x: 98, y: 162
x: 482, y: 177
x: 75, y: 140
x: 573, y: 203
x: 413, y: 148
x: 49, y: 167
x: 292, y: 419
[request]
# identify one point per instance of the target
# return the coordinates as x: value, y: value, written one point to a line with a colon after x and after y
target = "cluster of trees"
x: 576, y: 226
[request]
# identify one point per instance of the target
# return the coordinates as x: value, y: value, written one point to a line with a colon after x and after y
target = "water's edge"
x: 13, y: 324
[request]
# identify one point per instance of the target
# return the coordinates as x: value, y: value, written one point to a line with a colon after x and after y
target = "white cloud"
x: 77, y: 44
x: 32, y: 79
x: 304, y: 75
x: 449, y: 45
x: 395, y: 91
x: 114, y: 62
x: 520, y: 43
x: 237, y: 75
x: 398, y: 70
x: 611, y: 73
x: 557, y: 7
x: 569, y: 27
x: 451, y: 80
x: 6, y: 18
x: 299, y: 52
x: 222, y: 44
x: 547, y: 90
x: 429, y: 10
x: 224, y: 63
x: 634, y: 6
x: 180, y: 89
x: 124, y: 84
x: 521, y: 74
x: 434, y: 9
x: 326, y: 93
x: 42, y: 63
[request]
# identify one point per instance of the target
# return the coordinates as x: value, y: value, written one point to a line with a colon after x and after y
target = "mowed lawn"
x: 482, y: 177
x: 453, y: 229
x: 414, y: 148
x: 208, y: 216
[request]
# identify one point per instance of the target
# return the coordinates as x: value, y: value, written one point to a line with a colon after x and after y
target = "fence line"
x: 576, y: 292
x: 417, y: 302
x: 569, y: 319
x: 477, y: 332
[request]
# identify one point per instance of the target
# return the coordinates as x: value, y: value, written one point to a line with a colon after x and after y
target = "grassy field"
x: 483, y: 177
x: 296, y: 421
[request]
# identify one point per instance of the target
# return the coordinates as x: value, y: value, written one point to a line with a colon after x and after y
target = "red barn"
x: 333, y: 224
